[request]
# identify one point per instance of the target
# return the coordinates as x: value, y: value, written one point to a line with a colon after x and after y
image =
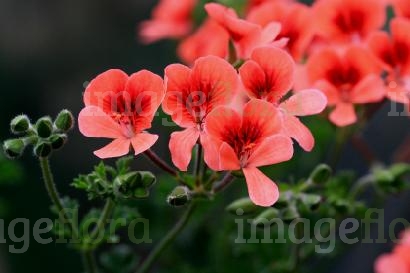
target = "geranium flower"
x: 245, y: 35
x: 191, y: 95
x: 170, y: 19
x: 269, y: 75
x: 399, y: 260
x: 401, y: 8
x: 246, y: 142
x: 394, y: 53
x: 347, y: 78
x: 348, y: 21
x: 295, y: 19
x: 199, y: 45
x: 121, y: 107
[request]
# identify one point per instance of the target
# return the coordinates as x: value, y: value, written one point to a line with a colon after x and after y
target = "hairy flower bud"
x: 14, y: 148
x: 244, y: 204
x: 64, y: 121
x: 43, y: 149
x: 58, y: 140
x: 20, y: 124
x: 321, y: 174
x: 44, y: 127
x: 179, y: 196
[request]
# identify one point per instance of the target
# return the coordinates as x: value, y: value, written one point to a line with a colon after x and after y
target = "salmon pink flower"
x: 121, y: 107
x: 269, y: 75
x: 246, y: 142
x: 347, y: 78
x: 245, y: 35
x: 191, y: 95
x: 170, y: 19
x: 199, y: 45
x: 394, y: 53
x: 399, y: 260
x: 295, y: 19
x: 346, y: 21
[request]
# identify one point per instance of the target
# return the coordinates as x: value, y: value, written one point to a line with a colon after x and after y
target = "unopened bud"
x: 43, y: 149
x: 245, y: 204
x: 266, y: 218
x: 20, y: 124
x: 14, y: 148
x: 44, y: 127
x: 64, y: 121
x: 148, y: 179
x: 321, y: 174
x: 57, y: 141
x: 179, y: 196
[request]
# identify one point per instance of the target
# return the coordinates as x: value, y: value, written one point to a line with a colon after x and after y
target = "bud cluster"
x: 44, y: 135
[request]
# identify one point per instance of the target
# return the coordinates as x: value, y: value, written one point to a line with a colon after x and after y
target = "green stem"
x: 53, y: 193
x: 198, y: 163
x: 226, y: 181
x: 89, y: 262
x: 106, y: 213
x: 169, y: 237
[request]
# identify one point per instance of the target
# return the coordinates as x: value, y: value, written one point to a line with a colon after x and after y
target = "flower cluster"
x: 340, y: 46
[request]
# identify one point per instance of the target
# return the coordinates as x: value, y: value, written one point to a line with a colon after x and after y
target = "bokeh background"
x: 48, y: 52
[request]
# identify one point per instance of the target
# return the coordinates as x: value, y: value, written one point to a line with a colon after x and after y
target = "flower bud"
x: 321, y: 174
x: 265, y: 218
x: 58, y: 140
x: 43, y: 149
x: 133, y: 185
x: 244, y: 204
x: 289, y: 214
x: 311, y: 201
x: 179, y: 196
x: 399, y: 169
x: 14, y: 148
x: 44, y: 127
x: 148, y: 179
x: 20, y: 124
x: 64, y: 121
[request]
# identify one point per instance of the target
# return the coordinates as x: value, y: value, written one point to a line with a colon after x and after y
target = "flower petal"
x: 272, y: 150
x: 370, y: 89
x: 216, y: 79
x: 93, y: 122
x: 117, y: 148
x: 305, y: 103
x: 343, y: 115
x: 298, y: 131
x: 253, y: 77
x: 108, y: 83
x: 228, y: 161
x: 181, y: 144
x: 330, y: 91
x: 220, y: 120
x: 142, y: 142
x: 279, y: 69
x: 263, y: 116
x: 390, y: 263
x: 262, y: 191
x: 146, y: 91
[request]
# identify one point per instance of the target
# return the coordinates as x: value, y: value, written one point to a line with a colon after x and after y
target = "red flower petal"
x: 262, y: 191
x: 146, y: 90
x: 305, y: 103
x: 390, y: 264
x: 262, y: 116
x: 370, y: 89
x: 93, y: 122
x: 272, y: 150
x: 343, y: 115
x: 222, y: 120
x: 142, y: 142
x: 298, y: 131
x: 117, y: 148
x: 108, y: 83
x: 181, y: 144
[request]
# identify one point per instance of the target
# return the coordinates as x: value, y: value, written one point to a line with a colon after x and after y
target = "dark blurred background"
x: 49, y: 50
